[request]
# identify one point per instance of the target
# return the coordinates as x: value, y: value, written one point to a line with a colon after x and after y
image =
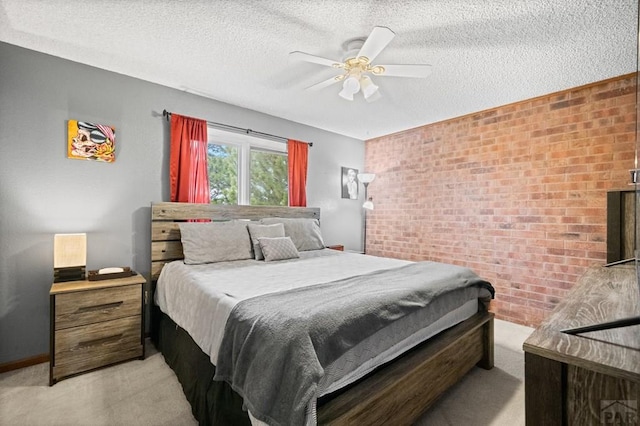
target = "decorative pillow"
x: 305, y: 233
x: 257, y: 231
x: 281, y: 248
x: 215, y: 242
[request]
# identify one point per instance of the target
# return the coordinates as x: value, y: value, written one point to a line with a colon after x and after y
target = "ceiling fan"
x: 357, y: 67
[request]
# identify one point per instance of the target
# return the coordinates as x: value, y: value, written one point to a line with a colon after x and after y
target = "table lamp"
x: 69, y: 257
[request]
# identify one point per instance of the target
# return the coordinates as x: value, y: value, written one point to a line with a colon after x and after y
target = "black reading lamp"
x: 366, y: 179
x: 623, y: 322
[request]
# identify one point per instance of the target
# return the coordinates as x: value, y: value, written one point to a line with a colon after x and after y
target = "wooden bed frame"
x: 398, y: 393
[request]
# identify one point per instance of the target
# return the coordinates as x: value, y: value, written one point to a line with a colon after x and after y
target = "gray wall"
x: 42, y: 192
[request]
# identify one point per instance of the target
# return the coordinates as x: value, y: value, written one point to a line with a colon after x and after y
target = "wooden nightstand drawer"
x: 95, y: 324
x: 88, y: 307
x: 90, y: 346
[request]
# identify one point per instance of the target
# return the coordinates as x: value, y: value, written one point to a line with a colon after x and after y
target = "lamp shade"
x: 366, y: 177
x: 69, y: 250
x: 350, y: 87
x: 368, y: 88
x: 373, y: 97
x: 346, y: 95
x: 368, y: 205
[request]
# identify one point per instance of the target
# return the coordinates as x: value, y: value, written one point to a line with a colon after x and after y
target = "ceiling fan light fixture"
x: 357, y: 67
x: 350, y: 87
x: 346, y: 95
x: 368, y: 87
x: 374, y: 97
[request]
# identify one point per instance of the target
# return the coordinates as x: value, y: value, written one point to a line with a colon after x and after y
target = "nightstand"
x: 95, y: 324
x: 339, y: 247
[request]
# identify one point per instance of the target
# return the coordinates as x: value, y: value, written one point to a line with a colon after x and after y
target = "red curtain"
x: 188, y: 175
x: 297, y: 154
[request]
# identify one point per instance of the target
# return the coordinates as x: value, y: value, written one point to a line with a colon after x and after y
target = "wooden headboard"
x: 165, y: 231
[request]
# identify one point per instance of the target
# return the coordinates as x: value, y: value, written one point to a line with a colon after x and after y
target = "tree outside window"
x: 247, y: 171
x: 269, y: 179
x: 223, y: 173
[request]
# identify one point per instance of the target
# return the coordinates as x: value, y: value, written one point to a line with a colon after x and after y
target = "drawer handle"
x: 100, y: 341
x: 113, y: 305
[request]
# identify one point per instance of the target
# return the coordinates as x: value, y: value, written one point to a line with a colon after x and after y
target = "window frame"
x: 244, y: 143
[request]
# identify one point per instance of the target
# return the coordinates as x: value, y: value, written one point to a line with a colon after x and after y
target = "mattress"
x: 199, y: 298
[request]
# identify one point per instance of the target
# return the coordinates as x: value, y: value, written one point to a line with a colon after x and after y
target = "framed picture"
x: 89, y: 141
x: 349, y: 179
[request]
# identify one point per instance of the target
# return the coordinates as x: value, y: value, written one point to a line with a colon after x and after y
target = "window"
x: 269, y: 176
x: 247, y: 170
x: 222, y: 164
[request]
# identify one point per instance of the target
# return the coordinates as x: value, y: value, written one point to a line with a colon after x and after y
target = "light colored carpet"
x: 148, y: 393
x: 488, y: 397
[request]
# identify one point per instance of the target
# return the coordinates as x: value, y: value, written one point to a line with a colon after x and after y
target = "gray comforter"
x: 275, y: 346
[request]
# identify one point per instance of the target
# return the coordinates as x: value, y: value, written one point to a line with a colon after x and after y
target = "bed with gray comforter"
x: 275, y: 358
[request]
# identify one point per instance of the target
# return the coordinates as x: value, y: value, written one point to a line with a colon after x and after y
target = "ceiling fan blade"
x: 379, y: 38
x: 326, y: 83
x: 301, y: 56
x: 417, y: 71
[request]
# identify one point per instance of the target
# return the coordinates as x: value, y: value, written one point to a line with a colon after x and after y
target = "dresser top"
x: 84, y: 285
x: 602, y: 294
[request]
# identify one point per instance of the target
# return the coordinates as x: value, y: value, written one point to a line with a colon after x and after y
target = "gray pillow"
x: 214, y: 242
x: 305, y: 233
x: 281, y: 248
x: 257, y: 231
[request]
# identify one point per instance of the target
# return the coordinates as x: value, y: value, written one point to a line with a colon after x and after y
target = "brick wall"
x: 517, y: 193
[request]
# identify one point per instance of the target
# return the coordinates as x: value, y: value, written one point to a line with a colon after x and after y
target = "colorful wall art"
x: 88, y: 141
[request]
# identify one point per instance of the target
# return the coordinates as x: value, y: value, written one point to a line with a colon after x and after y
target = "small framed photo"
x: 349, y: 179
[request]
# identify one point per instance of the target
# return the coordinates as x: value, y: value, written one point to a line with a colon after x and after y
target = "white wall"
x: 42, y: 192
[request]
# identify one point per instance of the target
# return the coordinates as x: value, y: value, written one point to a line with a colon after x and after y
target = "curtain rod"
x: 222, y: 126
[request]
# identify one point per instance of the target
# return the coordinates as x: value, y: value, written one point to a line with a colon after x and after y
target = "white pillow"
x: 305, y: 233
x: 257, y: 231
x: 215, y: 242
x: 281, y: 248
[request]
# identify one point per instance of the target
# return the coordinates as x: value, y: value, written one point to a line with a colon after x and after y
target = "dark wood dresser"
x: 592, y: 378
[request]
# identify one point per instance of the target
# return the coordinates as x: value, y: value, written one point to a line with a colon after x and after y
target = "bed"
x: 374, y: 380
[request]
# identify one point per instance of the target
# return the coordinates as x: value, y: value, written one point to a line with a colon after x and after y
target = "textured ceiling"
x: 484, y: 53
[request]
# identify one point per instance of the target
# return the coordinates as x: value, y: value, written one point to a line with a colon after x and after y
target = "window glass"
x: 247, y: 170
x: 269, y: 179
x: 223, y: 173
